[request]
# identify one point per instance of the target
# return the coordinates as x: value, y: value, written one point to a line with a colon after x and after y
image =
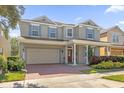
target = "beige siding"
x: 24, y: 28
x: 44, y: 31
x: 60, y: 33
x: 104, y: 39
x: 78, y: 32
x: 120, y: 34
x: 82, y: 33
x: 116, y: 51
x: 64, y: 32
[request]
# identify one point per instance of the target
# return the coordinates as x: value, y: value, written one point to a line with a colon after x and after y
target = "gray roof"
x: 89, y: 22
x: 111, y: 28
x: 45, y: 19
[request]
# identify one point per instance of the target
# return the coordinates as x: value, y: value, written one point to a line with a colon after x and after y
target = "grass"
x: 115, y: 77
x: 91, y: 71
x: 12, y: 76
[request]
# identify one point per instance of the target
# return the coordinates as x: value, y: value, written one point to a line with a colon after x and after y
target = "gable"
x: 117, y: 30
x: 90, y: 22
x: 43, y: 19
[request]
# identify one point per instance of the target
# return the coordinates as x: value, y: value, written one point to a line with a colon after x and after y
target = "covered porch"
x: 78, y: 51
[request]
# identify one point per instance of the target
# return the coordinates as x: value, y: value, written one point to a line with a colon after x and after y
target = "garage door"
x: 42, y: 56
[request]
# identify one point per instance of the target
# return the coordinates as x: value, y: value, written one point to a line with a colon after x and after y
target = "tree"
x: 9, y: 17
x: 14, y: 47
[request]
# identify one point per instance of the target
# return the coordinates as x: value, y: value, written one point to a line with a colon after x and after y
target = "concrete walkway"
x: 70, y: 81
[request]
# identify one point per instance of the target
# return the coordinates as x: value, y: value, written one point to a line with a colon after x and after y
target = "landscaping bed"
x: 12, y: 76
x: 91, y: 71
x: 115, y: 77
x: 11, y: 69
x: 105, y: 66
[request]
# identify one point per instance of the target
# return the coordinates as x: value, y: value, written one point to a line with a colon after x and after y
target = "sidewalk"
x: 71, y: 81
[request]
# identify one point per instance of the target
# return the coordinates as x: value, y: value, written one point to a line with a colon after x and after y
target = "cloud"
x: 115, y: 9
x: 120, y: 24
x: 78, y: 18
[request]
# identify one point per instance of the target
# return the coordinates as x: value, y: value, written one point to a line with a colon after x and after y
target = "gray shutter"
x: 93, y: 34
x: 39, y: 30
x: 56, y: 32
x: 29, y: 30
x: 86, y: 33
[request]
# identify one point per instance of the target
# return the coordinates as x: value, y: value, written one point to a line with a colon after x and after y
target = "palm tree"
x: 9, y: 17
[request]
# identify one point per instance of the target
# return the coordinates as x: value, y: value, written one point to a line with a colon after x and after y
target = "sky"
x: 103, y: 15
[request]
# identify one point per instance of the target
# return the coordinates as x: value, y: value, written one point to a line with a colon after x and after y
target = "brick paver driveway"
x: 52, y: 70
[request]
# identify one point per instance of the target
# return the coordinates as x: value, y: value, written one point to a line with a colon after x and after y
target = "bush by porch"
x: 99, y: 59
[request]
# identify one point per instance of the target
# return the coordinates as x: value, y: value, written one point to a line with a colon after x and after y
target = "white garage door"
x: 42, y: 56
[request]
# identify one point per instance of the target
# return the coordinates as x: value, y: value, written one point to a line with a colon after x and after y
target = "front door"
x: 69, y: 56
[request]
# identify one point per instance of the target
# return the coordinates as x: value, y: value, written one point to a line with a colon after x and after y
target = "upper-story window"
x: 115, y: 38
x: 52, y: 31
x: 89, y: 33
x: 69, y: 33
x: 35, y: 30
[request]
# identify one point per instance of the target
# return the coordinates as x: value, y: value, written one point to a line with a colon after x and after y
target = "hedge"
x: 15, y: 63
x: 13, y: 58
x: 99, y: 59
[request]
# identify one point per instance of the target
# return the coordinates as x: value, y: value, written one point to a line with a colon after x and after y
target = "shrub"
x: 14, y: 58
x: 99, y: 59
x: 108, y: 65
x: 3, y: 64
x: 15, y: 64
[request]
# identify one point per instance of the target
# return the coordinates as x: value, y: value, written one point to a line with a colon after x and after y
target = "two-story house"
x: 46, y: 41
x: 4, y: 45
x: 115, y: 36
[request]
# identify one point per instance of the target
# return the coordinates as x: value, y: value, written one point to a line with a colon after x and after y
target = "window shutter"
x: 29, y: 29
x: 39, y: 30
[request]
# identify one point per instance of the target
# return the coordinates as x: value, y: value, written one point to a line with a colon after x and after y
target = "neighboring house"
x: 4, y: 45
x: 115, y: 36
x: 46, y: 41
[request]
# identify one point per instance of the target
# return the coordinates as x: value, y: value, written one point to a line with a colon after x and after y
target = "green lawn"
x: 115, y: 77
x: 90, y: 71
x: 12, y: 76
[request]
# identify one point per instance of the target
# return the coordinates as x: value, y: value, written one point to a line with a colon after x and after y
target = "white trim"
x: 52, y: 26
x: 74, y: 54
x: 34, y: 36
x: 66, y: 54
x: 99, y: 28
x: 67, y: 32
x: 32, y: 24
x: 39, y: 23
x: 87, y: 61
x: 48, y: 23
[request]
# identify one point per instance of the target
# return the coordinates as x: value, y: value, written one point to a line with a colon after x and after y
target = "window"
x: 89, y: 33
x: 69, y: 33
x: 52, y: 32
x: 35, y: 30
x: 115, y: 38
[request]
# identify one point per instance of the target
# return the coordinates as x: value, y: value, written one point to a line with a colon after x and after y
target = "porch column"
x: 108, y: 51
x: 74, y: 54
x: 66, y: 54
x: 87, y: 62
